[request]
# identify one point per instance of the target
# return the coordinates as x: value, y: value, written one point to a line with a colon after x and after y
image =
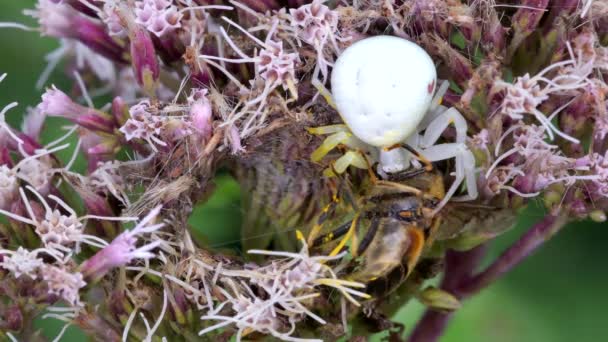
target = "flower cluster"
x: 158, y: 16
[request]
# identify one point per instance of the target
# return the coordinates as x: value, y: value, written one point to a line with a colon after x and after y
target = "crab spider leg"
x: 438, y: 98
x: 328, y: 144
x: 464, y: 168
x: 325, y: 93
x: 332, y: 141
x: 356, y: 159
x: 470, y: 179
x: 438, y: 126
x: 328, y: 129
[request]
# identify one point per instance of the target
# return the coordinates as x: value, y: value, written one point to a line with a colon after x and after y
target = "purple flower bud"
x: 123, y: 249
x: 526, y: 20
x: 57, y: 103
x: 81, y: 7
x: 143, y: 55
x: 235, y: 140
x: 298, y: 3
x: 144, y: 60
x: 108, y: 145
x: 201, y: 114
x: 263, y: 5
x: 120, y: 110
x: 13, y: 318
x: 63, y: 21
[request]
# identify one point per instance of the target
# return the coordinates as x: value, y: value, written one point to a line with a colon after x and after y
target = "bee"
x: 397, y: 222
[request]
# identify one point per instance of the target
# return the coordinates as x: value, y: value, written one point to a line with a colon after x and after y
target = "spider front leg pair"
x: 464, y: 168
x: 340, y: 135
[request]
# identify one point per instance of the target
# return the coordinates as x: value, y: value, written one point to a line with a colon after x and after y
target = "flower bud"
x: 63, y: 21
x: 438, y: 299
x: 13, y: 318
x: 122, y: 250
x: 144, y: 60
x: 525, y: 21
x: 201, y: 114
x: 81, y: 7
x: 298, y: 3
x: 597, y: 216
x: 262, y: 6
x: 120, y: 110
x: 57, y: 103
x: 143, y: 55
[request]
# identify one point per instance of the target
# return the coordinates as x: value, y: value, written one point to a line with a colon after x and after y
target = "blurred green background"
x: 557, y: 295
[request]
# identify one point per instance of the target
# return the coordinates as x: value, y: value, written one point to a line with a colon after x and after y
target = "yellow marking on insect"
x: 347, y: 237
x: 299, y: 235
x: 328, y: 238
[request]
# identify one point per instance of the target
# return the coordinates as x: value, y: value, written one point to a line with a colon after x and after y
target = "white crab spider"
x: 383, y: 89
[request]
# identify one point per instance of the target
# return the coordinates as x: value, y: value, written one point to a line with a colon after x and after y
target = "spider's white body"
x: 384, y: 89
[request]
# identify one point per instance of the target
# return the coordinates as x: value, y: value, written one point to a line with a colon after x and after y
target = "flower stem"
x: 460, y: 281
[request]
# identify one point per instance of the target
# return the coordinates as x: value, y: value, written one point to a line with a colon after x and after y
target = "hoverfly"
x: 397, y: 224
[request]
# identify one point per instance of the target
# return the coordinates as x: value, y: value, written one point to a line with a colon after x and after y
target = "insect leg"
x: 369, y: 236
x: 326, y: 212
x: 399, y: 187
x: 334, y: 234
x: 428, y: 166
x: 347, y: 236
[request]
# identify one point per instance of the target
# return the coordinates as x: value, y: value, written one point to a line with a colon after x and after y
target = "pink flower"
x: 599, y: 167
x: 21, y: 262
x: 63, y: 283
x: 276, y: 65
x: 144, y: 125
x: 123, y: 249
x: 601, y: 126
x: 158, y: 16
x: 63, y: 21
x: 56, y: 19
x: 57, y: 103
x: 201, y: 113
x: 8, y: 186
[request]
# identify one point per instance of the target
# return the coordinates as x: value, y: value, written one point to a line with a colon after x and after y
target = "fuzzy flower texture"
x: 195, y: 86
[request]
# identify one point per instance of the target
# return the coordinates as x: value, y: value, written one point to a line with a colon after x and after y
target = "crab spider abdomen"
x: 382, y: 87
